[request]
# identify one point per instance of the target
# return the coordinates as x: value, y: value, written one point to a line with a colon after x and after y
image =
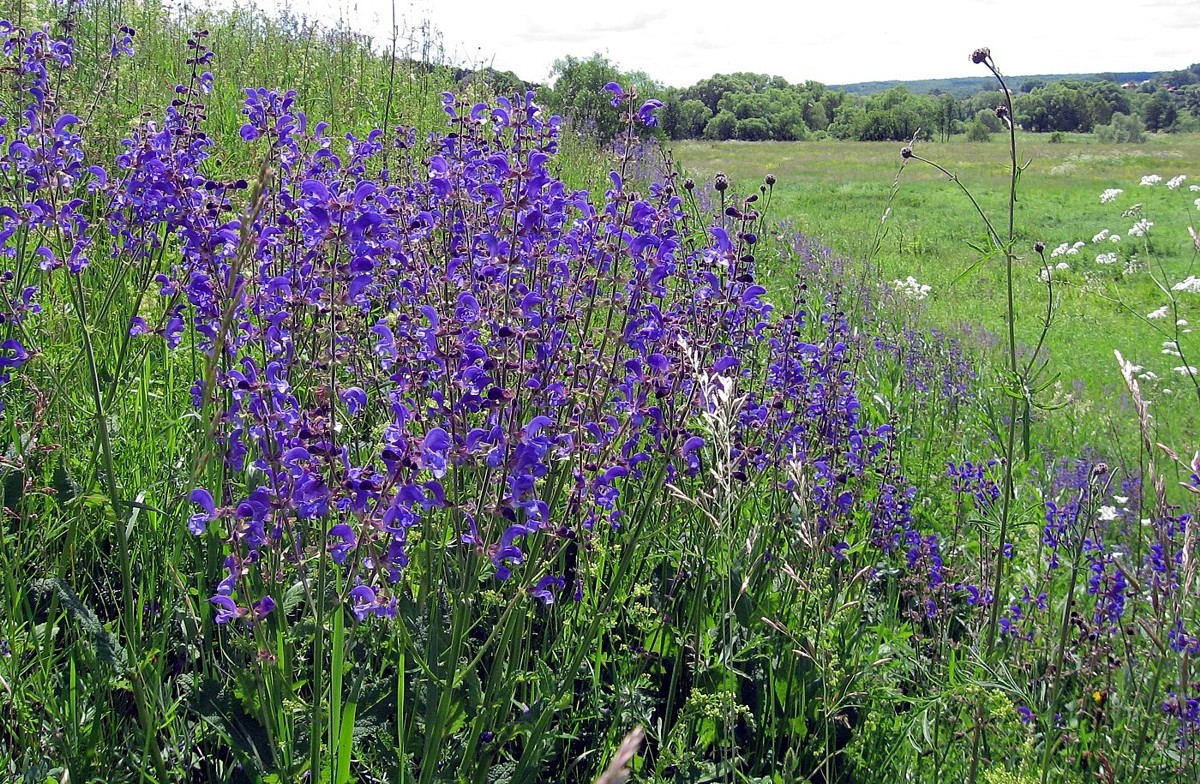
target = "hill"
x: 966, y: 86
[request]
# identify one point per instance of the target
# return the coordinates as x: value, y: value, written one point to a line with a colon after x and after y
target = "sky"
x: 680, y: 42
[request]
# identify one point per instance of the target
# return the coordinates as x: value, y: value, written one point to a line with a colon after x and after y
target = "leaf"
x: 104, y: 643
x: 223, y: 712
x: 293, y: 597
x: 66, y: 489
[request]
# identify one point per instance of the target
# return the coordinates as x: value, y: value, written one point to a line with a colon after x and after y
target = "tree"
x: 693, y: 117
x: 1160, y: 111
x: 947, y: 116
x: 721, y: 127
x: 578, y: 94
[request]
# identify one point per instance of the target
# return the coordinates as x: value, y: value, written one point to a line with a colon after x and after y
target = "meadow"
x: 839, y: 193
x: 365, y: 426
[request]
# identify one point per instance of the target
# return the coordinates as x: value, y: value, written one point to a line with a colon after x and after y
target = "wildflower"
x: 1107, y: 258
x: 1151, y: 179
x: 911, y: 288
x: 1176, y: 181
x: 646, y: 113
x: 1110, y: 194
x: 1160, y: 313
x: 618, y: 94
x: 1141, y: 228
x: 1062, y: 265
x: 1191, y: 285
x: 1108, y: 514
x: 980, y: 55
x: 1115, y: 238
x: 1185, y: 370
x: 1101, y: 237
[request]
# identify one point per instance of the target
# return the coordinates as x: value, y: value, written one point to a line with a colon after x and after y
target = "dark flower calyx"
x: 981, y: 54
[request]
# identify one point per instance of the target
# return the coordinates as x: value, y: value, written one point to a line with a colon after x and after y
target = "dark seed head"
x: 980, y: 54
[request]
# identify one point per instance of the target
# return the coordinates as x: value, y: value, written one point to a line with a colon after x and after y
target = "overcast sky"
x: 835, y: 41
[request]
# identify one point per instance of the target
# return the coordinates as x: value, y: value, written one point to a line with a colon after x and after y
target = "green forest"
x: 759, y: 107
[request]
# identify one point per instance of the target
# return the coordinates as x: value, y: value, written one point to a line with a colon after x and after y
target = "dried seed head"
x: 981, y: 54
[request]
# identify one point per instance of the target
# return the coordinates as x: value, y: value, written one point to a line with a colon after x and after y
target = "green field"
x: 839, y: 192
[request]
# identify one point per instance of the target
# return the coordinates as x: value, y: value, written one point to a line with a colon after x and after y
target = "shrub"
x: 1122, y: 129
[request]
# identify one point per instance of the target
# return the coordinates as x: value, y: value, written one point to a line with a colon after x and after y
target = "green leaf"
x: 104, y: 643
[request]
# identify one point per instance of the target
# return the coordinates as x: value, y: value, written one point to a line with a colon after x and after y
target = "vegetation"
x: 759, y: 107
x: 375, y: 447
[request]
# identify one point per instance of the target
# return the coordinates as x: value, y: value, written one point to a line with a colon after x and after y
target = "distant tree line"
x: 759, y: 107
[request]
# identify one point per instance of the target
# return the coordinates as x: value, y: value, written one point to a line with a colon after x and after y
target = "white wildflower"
x: 1149, y: 375
x: 1185, y: 370
x: 1162, y: 312
x: 1181, y: 323
x: 1060, y: 250
x: 1110, y: 194
x: 911, y: 288
x: 1115, y: 238
x: 1176, y: 181
x: 1121, y: 499
x: 1102, y: 236
x: 1197, y: 203
x: 1191, y: 285
x: 1171, y: 348
x: 1108, y: 514
x: 1062, y: 265
x: 1194, y: 188
x: 1141, y: 228
x: 1151, y: 179
x: 1106, y: 258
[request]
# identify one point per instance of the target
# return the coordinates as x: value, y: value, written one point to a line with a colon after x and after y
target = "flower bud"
x: 980, y: 54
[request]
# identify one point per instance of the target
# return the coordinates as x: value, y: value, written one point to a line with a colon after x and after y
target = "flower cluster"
x: 911, y: 288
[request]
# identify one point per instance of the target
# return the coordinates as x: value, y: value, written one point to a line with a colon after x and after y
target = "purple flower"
x: 618, y: 93
x: 434, y: 449
x: 646, y: 113
x: 198, y: 523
